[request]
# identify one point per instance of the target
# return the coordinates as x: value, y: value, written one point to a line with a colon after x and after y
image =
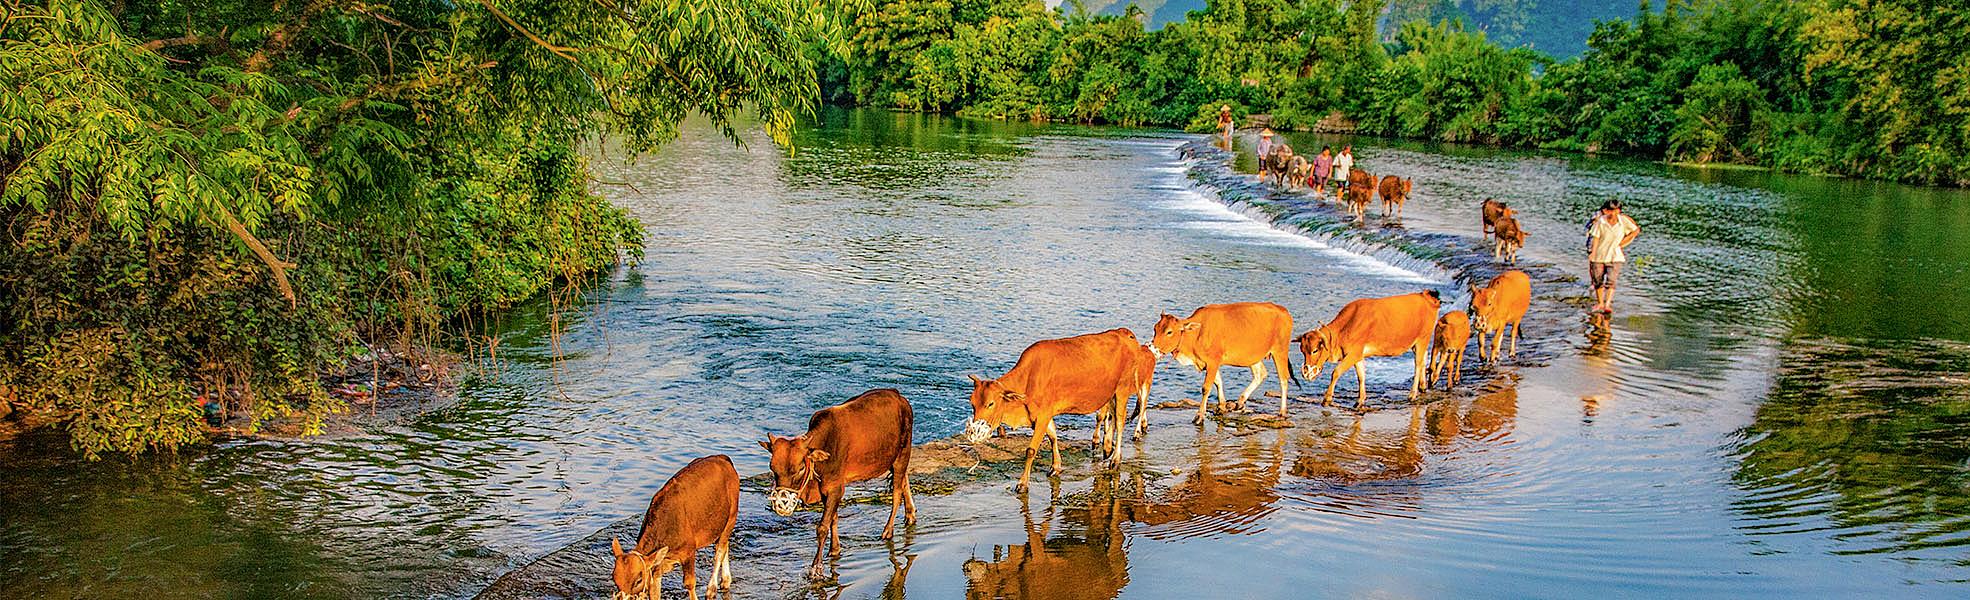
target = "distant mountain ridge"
x: 1555, y: 27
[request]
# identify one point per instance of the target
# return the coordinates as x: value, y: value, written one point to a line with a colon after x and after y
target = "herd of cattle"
x: 869, y: 436
x: 1292, y: 172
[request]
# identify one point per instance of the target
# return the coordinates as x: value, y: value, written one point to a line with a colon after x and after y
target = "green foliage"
x: 224, y: 198
x: 1821, y: 86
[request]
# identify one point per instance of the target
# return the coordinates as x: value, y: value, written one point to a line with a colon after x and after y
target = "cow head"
x: 1170, y: 335
x: 993, y: 405
x: 796, y: 479
x: 639, y: 574
x: 1317, y: 348
x: 1408, y: 185
x: 1481, y: 300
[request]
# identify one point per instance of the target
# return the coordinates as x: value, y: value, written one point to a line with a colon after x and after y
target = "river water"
x: 1781, y: 406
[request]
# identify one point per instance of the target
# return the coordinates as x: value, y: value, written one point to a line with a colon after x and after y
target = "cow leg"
x: 1053, y: 433
x: 1360, y: 384
x: 1515, y: 338
x: 1032, y: 450
x: 1281, y: 361
x: 1416, y: 386
x: 691, y: 575
x: 895, y: 500
x: 1204, y: 399
x: 900, y: 478
x: 1328, y: 400
x: 821, y: 535
x: 1496, y: 342
x: 1142, y: 412
x: 722, y: 560
x: 1258, y: 378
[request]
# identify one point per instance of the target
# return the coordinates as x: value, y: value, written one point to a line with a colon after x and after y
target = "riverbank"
x: 1170, y: 477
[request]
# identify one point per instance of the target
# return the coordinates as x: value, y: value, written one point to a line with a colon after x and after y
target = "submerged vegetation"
x: 1877, y: 89
x: 223, y: 200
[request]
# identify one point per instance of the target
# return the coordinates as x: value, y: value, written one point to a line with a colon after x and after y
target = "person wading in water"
x: 1265, y: 152
x: 1224, y: 124
x: 1607, y: 235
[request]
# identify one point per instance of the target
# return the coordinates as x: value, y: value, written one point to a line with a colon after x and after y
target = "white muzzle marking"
x: 976, y: 431
x: 784, y: 501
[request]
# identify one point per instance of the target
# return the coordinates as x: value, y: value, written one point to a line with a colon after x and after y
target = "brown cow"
x: 1371, y: 327
x: 1240, y: 334
x: 1361, y: 189
x: 1453, y: 331
x: 698, y: 507
x: 1493, y: 211
x: 858, y: 440
x: 1085, y: 374
x: 1511, y: 237
x: 1499, y: 304
x: 1394, y: 191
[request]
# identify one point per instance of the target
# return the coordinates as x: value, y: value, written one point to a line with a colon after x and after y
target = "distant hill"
x: 1556, y: 27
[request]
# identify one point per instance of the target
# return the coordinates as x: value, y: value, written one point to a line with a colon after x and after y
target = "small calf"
x: 1453, y: 331
x: 698, y: 507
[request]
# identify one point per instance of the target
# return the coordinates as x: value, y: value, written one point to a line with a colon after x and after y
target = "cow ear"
x: 660, y: 556
x: 615, y: 545
x: 767, y: 444
x: 975, y: 380
x: 1012, y: 396
x: 819, y: 456
x: 1189, y: 327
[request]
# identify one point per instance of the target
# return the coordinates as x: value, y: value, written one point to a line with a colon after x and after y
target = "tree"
x: 221, y: 198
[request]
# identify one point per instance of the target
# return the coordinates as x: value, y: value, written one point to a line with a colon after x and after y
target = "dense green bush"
x: 1820, y: 86
x: 229, y: 198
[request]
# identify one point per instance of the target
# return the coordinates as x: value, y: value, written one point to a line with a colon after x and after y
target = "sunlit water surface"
x: 1781, y: 407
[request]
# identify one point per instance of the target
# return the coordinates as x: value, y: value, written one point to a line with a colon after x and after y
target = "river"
x: 1780, y: 406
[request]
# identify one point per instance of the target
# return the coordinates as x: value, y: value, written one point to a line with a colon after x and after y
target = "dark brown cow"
x: 698, y: 507
x: 1371, y: 327
x: 1498, y: 305
x: 1085, y: 374
x: 1511, y: 237
x: 1453, y: 332
x: 1241, y: 334
x: 1394, y: 191
x: 1493, y: 211
x: 858, y: 440
x: 1361, y: 189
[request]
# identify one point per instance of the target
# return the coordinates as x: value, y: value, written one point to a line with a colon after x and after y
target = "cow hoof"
x: 1019, y: 487
x: 815, y: 573
x: 1197, y: 420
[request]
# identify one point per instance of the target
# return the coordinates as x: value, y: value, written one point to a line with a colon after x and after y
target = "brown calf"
x: 1453, y: 331
x: 858, y: 440
x: 1394, y: 191
x: 1493, y: 211
x: 1371, y: 327
x: 698, y: 507
x: 1241, y: 334
x: 1361, y: 189
x: 1497, y: 305
x: 1085, y: 374
x: 1511, y: 237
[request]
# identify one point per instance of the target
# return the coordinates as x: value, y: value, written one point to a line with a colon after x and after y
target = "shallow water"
x: 1778, y: 409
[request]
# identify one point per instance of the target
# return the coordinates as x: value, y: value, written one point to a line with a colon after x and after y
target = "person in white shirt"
x: 1607, y: 235
x: 1342, y: 164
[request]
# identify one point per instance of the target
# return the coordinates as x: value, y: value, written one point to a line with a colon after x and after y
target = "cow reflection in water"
x: 1363, y: 455
x: 1228, y: 488
x: 1086, y: 561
